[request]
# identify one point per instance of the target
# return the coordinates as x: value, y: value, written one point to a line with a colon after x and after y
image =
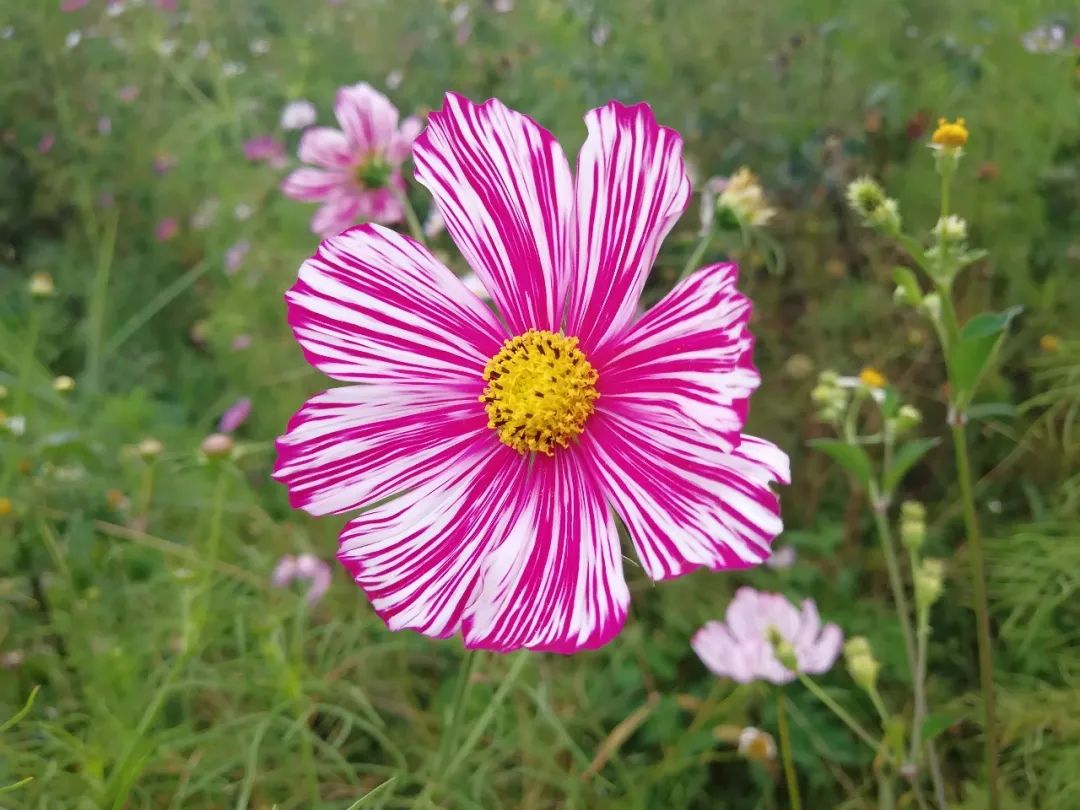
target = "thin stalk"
x: 840, y: 712
x: 982, y: 610
x: 699, y: 252
x: 98, y: 304
x: 415, y: 228
x: 785, y: 752
x: 892, y: 566
x: 303, y: 710
x: 886, y: 792
x: 451, y: 730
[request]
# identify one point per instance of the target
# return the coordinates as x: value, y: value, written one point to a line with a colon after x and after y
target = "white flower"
x: 231, y: 69
x: 201, y: 49
x: 16, y: 425
x: 951, y: 229
x: 259, y: 46
x: 298, y: 114
x: 167, y: 47
x: 72, y: 39
x: 394, y: 79
x: 1044, y: 39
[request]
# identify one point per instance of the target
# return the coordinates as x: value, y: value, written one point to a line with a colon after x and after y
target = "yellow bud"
x: 63, y: 384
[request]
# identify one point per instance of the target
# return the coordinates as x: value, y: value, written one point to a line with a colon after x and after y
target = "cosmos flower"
x: 511, y: 440
x: 166, y: 229
x: 235, y: 415
x: 357, y: 169
x: 305, y: 568
x: 265, y: 148
x: 298, y: 114
x: 740, y: 648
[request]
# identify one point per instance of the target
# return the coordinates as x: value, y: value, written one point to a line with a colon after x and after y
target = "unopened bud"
x: 150, y: 448
x: 217, y: 445
x: 63, y: 384
x: 861, y: 664
x: 41, y: 285
x: 931, y: 306
x: 929, y: 582
x: 912, y: 525
x: 951, y: 229
x: 886, y: 217
x: 907, y: 417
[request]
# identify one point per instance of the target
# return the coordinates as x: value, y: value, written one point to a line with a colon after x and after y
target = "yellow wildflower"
x: 872, y: 378
x: 950, y: 135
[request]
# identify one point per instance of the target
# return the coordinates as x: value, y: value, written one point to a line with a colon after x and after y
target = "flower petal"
x: 327, y: 147
x: 686, y: 504
x: 337, y: 214
x: 418, y: 558
x: 312, y: 185
x: 503, y: 187
x: 631, y: 188
x: 367, y: 116
x: 556, y: 583
x: 689, y: 357
x: 374, y: 306
x: 401, y: 144
x: 351, y: 446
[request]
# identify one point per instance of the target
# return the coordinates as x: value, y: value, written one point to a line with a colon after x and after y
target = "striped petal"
x: 419, y: 557
x: 368, y: 117
x: 686, y: 504
x: 688, y: 359
x: 373, y: 306
x: 503, y: 187
x: 327, y: 147
x: 556, y: 583
x: 631, y: 188
x: 351, y: 446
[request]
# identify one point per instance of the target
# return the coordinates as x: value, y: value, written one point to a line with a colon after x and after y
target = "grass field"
x: 148, y: 658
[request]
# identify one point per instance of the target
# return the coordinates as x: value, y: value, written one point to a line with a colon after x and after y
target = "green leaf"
x: 906, y: 280
x: 906, y: 458
x: 849, y: 456
x: 936, y: 723
x: 974, y: 350
x: 988, y: 410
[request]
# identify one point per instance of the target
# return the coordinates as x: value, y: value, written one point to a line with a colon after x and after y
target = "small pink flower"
x: 241, y: 342
x: 305, y: 568
x: 234, y: 256
x: 782, y: 557
x: 104, y: 126
x: 164, y: 163
x: 513, y: 434
x: 128, y: 93
x: 298, y: 115
x: 166, y: 229
x: 69, y: 6
x: 46, y: 143
x: 358, y: 172
x: 265, y: 148
x: 741, y: 648
x: 235, y: 415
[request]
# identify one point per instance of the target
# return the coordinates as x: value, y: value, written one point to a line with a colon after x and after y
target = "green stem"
x: 98, y: 302
x: 303, y: 710
x: 840, y: 712
x: 415, y: 228
x: 699, y: 252
x: 886, y: 792
x: 892, y: 566
x: 785, y: 752
x: 982, y: 611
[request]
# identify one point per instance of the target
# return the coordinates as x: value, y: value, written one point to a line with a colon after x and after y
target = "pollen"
x: 872, y: 378
x: 950, y: 135
x: 540, y: 391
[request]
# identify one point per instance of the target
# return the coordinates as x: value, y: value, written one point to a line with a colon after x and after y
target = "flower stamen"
x: 540, y: 391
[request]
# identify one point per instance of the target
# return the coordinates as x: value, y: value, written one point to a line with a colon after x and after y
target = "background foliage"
x: 166, y: 682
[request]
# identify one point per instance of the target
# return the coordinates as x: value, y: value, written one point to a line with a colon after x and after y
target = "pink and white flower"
x: 741, y: 648
x: 356, y: 171
x: 235, y: 415
x: 305, y: 568
x: 511, y: 440
x: 265, y: 148
x: 298, y: 114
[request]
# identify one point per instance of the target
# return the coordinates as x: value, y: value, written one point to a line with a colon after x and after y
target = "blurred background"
x: 129, y: 178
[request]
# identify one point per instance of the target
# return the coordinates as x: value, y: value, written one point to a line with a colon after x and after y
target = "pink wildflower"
x: 234, y: 256
x: 235, y: 415
x: 47, y: 142
x: 69, y: 6
x: 359, y: 166
x: 305, y: 568
x: 166, y: 229
x: 265, y: 148
x: 513, y: 438
x: 741, y: 647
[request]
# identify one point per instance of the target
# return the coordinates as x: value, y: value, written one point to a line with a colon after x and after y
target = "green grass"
x: 137, y: 594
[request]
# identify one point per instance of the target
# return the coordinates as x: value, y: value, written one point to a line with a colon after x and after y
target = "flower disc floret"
x: 540, y: 391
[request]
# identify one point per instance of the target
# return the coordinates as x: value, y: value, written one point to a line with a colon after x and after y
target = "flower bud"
x: 907, y: 417
x: 149, y: 448
x: 217, y: 445
x: 865, y: 196
x: 63, y: 384
x: 912, y: 525
x: 929, y: 583
x: 861, y: 664
x: 931, y: 306
x: 951, y: 229
x: 41, y: 285
x: 886, y: 217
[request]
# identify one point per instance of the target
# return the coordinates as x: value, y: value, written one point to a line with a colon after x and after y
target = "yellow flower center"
x: 872, y: 378
x: 540, y: 391
x: 950, y: 135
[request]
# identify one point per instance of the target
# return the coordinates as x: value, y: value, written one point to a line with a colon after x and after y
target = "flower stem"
x: 415, y: 228
x: 699, y: 252
x: 886, y: 793
x: 982, y: 611
x: 892, y: 566
x: 840, y: 712
x: 97, y: 306
x: 785, y: 751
